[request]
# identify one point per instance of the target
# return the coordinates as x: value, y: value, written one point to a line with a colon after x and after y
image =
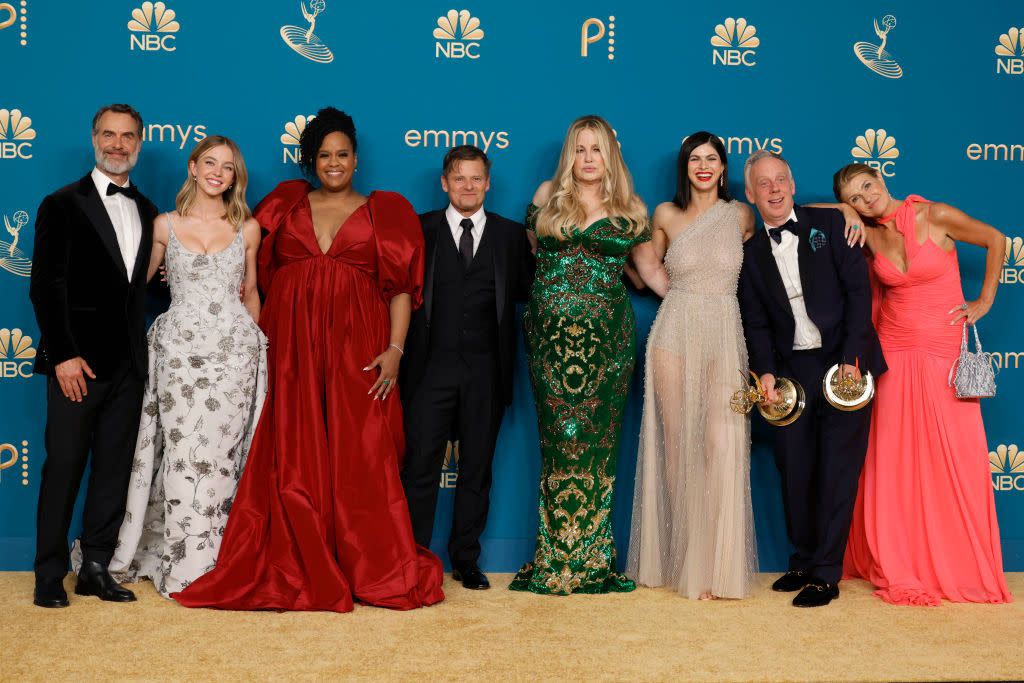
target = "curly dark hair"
x: 328, y: 120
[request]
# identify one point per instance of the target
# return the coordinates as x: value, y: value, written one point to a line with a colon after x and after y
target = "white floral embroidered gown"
x: 207, y: 381
x: 693, y: 528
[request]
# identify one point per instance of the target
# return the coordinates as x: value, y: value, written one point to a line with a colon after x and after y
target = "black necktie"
x: 130, y: 192
x: 776, y: 233
x: 466, y: 241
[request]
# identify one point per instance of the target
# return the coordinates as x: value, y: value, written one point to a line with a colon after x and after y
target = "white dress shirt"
x: 787, y: 257
x: 124, y: 216
x: 455, y: 218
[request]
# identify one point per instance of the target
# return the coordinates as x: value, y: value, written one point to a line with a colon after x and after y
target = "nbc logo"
x: 16, y: 354
x: 877, y: 149
x: 290, y: 139
x: 874, y: 56
x: 734, y: 41
x: 1013, y: 262
x: 303, y: 40
x: 15, y: 17
x: 153, y: 27
x: 10, y: 456
x: 450, y: 469
x: 15, y: 135
x: 594, y: 30
x: 458, y: 34
x: 1007, y: 466
x: 13, y: 259
x: 1010, y: 52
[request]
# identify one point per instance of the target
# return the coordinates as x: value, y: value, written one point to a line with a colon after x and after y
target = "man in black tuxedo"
x: 805, y: 299
x: 457, y: 368
x: 92, y: 248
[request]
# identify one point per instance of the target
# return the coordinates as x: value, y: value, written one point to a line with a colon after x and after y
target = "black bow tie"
x: 776, y: 233
x: 131, y: 192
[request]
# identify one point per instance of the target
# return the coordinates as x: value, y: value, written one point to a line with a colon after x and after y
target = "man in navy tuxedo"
x: 806, y: 305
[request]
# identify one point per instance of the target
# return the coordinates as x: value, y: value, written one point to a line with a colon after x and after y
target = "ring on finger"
x: 963, y: 307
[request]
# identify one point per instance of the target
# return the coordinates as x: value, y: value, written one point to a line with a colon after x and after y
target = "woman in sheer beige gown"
x: 692, y: 527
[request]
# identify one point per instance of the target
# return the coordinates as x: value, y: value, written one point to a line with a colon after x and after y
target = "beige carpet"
x: 500, y: 635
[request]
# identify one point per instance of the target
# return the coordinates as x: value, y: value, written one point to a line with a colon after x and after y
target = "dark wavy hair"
x: 328, y: 120
x: 692, y: 142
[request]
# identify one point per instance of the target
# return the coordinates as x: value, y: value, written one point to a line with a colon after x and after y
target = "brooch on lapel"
x: 817, y: 239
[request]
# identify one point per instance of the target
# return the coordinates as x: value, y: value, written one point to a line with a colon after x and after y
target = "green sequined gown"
x: 580, y: 347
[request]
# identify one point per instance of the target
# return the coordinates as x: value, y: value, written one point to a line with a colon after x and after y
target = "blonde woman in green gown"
x: 581, y: 349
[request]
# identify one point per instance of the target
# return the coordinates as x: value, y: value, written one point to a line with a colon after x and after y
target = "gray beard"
x: 105, y: 164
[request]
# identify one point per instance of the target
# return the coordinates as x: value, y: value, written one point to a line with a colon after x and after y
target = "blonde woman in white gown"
x: 692, y: 526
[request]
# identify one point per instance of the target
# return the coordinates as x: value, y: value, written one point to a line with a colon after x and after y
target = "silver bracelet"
x: 396, y: 346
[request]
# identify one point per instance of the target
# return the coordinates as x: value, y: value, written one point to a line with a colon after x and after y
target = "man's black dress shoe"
x: 472, y: 578
x: 94, y: 579
x: 816, y: 594
x: 793, y: 580
x: 50, y: 593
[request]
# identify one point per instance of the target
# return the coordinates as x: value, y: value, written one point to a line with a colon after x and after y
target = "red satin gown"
x: 924, y: 525
x: 320, y: 519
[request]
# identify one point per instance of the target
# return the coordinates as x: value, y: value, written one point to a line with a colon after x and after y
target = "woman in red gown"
x: 924, y: 525
x: 320, y: 519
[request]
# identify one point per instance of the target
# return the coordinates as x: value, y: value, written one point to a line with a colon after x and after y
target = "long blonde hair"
x: 236, y: 210
x: 564, y: 208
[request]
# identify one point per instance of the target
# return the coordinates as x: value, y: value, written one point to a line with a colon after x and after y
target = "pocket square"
x: 817, y: 239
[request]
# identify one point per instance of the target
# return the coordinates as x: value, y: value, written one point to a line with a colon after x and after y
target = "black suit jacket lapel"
x: 430, y: 238
x: 500, y: 254
x: 804, y: 255
x: 770, y: 270
x: 92, y: 205
x: 147, y: 213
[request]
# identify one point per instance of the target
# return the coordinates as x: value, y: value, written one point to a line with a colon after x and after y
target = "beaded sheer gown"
x: 693, y: 528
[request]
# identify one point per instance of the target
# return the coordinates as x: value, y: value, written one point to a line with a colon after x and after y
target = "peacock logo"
x: 11, y: 456
x: 11, y: 16
x: 303, y: 40
x: 458, y: 35
x: 291, y: 137
x: 1010, y: 52
x: 1013, y: 261
x: 735, y: 41
x: 16, y: 135
x: 877, y: 149
x: 152, y: 28
x: 1006, y: 463
x: 12, y: 258
x: 593, y: 30
x: 16, y: 354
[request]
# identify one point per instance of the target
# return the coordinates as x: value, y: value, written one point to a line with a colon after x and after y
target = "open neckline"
x: 341, y: 226
x: 578, y: 232
x: 910, y: 262
x: 181, y: 244
x: 696, y: 221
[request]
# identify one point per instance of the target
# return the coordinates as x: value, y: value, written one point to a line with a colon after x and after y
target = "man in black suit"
x: 457, y: 367
x: 92, y: 248
x: 805, y: 298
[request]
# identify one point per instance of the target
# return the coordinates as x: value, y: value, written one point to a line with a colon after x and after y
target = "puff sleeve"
x: 399, y: 237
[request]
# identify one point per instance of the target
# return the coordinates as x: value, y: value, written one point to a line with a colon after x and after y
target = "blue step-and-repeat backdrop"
x: 929, y: 93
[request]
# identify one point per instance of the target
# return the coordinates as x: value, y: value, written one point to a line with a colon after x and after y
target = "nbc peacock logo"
x: 16, y: 354
x: 874, y: 56
x: 10, y: 457
x: 12, y: 258
x: 1006, y: 463
x: 303, y: 40
x: 877, y: 149
x: 291, y: 154
x: 458, y: 35
x: 1010, y: 52
x: 594, y: 30
x: 450, y: 468
x: 1013, y: 262
x: 16, y: 135
x: 153, y: 27
x: 734, y: 42
x: 11, y: 16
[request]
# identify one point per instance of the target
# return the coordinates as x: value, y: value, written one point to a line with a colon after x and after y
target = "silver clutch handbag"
x: 972, y: 374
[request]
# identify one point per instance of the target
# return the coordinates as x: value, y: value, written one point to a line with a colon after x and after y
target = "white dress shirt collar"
x: 454, y: 224
x: 101, y: 180
x: 791, y: 217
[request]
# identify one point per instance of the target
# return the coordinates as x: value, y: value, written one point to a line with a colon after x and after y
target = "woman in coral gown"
x: 924, y: 526
x: 320, y: 519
